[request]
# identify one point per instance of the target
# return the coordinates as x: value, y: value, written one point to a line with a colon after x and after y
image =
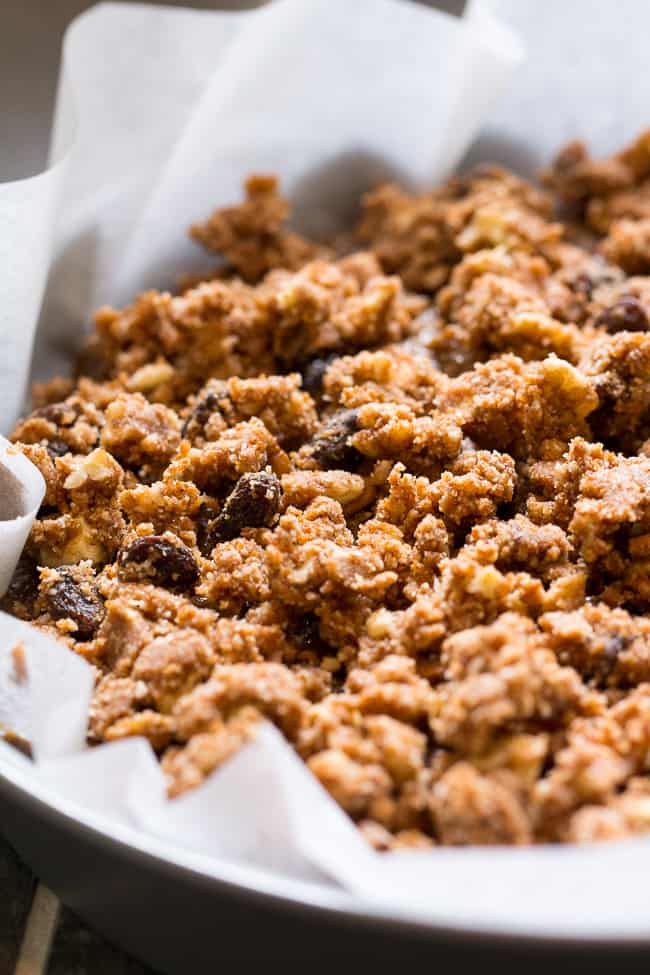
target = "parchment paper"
x: 21, y: 491
x: 333, y: 95
x: 161, y: 112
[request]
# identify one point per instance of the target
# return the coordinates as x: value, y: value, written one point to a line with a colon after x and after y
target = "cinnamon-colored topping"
x: 396, y: 503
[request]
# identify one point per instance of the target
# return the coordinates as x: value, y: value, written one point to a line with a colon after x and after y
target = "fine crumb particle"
x: 396, y: 502
x: 21, y: 744
x: 19, y: 664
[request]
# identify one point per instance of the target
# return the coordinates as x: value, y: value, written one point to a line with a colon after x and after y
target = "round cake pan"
x: 179, y: 920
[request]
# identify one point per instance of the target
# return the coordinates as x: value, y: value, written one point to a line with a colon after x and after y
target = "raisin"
x: 23, y: 588
x: 305, y: 631
x: 47, y: 511
x: 57, y: 447
x: 57, y: 413
x: 614, y: 645
x: 60, y: 415
x: 313, y: 373
x: 602, y: 667
x: 582, y: 285
x: 215, y: 399
x: 204, y: 520
x: 331, y: 448
x: 67, y: 598
x: 594, y: 276
x: 159, y: 560
x: 625, y: 315
x: 252, y: 503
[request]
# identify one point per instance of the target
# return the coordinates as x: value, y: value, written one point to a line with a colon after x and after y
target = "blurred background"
x: 588, y: 57
x: 30, y: 45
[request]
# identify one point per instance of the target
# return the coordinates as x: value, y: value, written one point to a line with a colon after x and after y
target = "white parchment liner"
x: 160, y: 113
x: 21, y: 491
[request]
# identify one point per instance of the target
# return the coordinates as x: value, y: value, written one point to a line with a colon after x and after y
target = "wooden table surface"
x: 30, y: 43
x: 26, y: 933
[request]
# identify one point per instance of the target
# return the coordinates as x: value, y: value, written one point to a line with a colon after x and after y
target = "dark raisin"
x: 252, y: 503
x: 203, y: 538
x: 67, y: 598
x: 582, y: 285
x: 614, y: 645
x: 47, y: 511
x: 305, y: 631
x: 313, y: 373
x: 596, y: 274
x: 625, y: 315
x: 53, y: 413
x: 60, y: 414
x: 57, y: 447
x: 23, y: 588
x: 331, y: 448
x: 214, y: 399
x: 159, y: 560
x: 603, y: 666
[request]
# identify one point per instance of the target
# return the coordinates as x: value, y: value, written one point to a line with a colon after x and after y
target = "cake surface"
x: 394, y: 500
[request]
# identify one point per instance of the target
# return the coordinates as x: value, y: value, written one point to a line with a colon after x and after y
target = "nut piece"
x: 95, y: 467
x: 149, y: 377
x: 331, y: 448
x: 68, y: 598
x: 160, y: 559
x: 252, y: 503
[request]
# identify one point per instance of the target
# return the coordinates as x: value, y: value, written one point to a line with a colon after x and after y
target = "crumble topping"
x: 396, y: 502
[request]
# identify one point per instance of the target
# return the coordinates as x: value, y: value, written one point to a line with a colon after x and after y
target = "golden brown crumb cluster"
x: 396, y: 502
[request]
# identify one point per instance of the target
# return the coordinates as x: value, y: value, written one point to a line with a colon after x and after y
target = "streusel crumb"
x: 396, y: 502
